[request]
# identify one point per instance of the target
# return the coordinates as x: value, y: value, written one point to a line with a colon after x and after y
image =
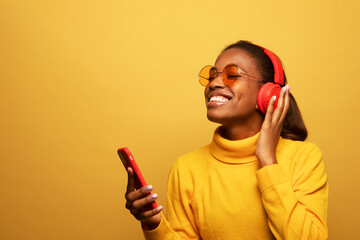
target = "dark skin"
x: 238, y: 114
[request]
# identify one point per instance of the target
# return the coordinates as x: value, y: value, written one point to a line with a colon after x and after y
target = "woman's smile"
x: 217, y: 98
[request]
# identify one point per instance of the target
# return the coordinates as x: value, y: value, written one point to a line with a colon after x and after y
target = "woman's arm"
x: 297, y: 207
x: 180, y: 222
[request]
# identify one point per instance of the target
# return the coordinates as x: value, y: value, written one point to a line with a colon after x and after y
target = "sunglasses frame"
x: 222, y: 77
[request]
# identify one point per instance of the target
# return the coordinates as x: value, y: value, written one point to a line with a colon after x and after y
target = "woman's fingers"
x: 269, y: 112
x: 271, y: 128
x: 278, y: 115
x: 137, y: 200
x: 150, y: 213
x: 137, y: 194
x: 137, y: 207
x: 286, y: 104
x: 131, y: 194
x: 280, y: 105
x: 138, y: 204
x: 130, y: 186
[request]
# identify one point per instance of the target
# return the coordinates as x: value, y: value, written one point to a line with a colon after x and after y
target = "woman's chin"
x: 216, y: 118
x: 223, y: 118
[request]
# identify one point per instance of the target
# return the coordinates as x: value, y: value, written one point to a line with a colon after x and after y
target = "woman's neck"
x: 243, y: 130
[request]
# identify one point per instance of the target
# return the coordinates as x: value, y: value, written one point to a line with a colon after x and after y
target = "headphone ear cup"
x: 266, y: 92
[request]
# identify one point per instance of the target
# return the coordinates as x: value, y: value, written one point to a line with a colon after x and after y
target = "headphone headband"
x: 278, y: 70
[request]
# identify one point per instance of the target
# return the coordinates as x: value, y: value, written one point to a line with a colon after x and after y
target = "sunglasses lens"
x: 209, y: 73
x: 205, y: 75
x: 230, y: 74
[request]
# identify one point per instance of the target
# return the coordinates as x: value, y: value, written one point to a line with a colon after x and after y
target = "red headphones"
x: 270, y: 89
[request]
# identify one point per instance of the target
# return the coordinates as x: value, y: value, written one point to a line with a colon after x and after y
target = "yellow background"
x: 81, y: 78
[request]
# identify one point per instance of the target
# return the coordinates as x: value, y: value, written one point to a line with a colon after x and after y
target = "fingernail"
x: 159, y: 208
x: 284, y: 89
x: 288, y: 87
x: 154, y: 196
x: 274, y: 98
x: 148, y: 188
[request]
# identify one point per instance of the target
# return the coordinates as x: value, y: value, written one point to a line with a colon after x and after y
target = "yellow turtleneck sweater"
x: 219, y: 192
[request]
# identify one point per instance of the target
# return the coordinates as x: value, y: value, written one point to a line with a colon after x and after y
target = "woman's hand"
x: 271, y: 128
x: 136, y: 200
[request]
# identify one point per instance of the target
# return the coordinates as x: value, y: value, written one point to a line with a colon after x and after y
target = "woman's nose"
x: 217, y: 82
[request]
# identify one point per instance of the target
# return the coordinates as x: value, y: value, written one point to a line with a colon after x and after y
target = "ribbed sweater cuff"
x: 269, y: 176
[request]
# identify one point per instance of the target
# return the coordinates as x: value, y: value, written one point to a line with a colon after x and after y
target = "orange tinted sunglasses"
x: 229, y: 74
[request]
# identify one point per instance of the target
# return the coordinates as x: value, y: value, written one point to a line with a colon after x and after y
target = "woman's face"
x: 236, y: 103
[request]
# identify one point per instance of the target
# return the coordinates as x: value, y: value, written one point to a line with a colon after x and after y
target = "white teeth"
x: 220, y: 99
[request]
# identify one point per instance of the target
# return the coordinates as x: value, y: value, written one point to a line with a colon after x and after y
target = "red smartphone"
x: 128, y: 161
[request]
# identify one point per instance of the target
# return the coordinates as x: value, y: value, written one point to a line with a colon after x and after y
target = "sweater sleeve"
x: 180, y: 221
x: 296, y: 202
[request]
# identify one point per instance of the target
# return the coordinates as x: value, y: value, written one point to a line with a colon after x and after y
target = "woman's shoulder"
x: 288, y: 145
x: 192, y: 160
x: 299, y: 151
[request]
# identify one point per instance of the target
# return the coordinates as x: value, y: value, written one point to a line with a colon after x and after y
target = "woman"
x: 257, y: 179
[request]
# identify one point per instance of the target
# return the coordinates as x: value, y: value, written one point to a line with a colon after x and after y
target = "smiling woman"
x: 257, y: 179
x: 240, y: 108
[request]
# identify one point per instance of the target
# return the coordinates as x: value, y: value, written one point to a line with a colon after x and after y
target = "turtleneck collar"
x: 233, y: 151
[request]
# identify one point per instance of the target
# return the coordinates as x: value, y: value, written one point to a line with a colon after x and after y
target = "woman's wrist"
x: 152, y: 224
x: 268, y: 161
x: 149, y: 226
